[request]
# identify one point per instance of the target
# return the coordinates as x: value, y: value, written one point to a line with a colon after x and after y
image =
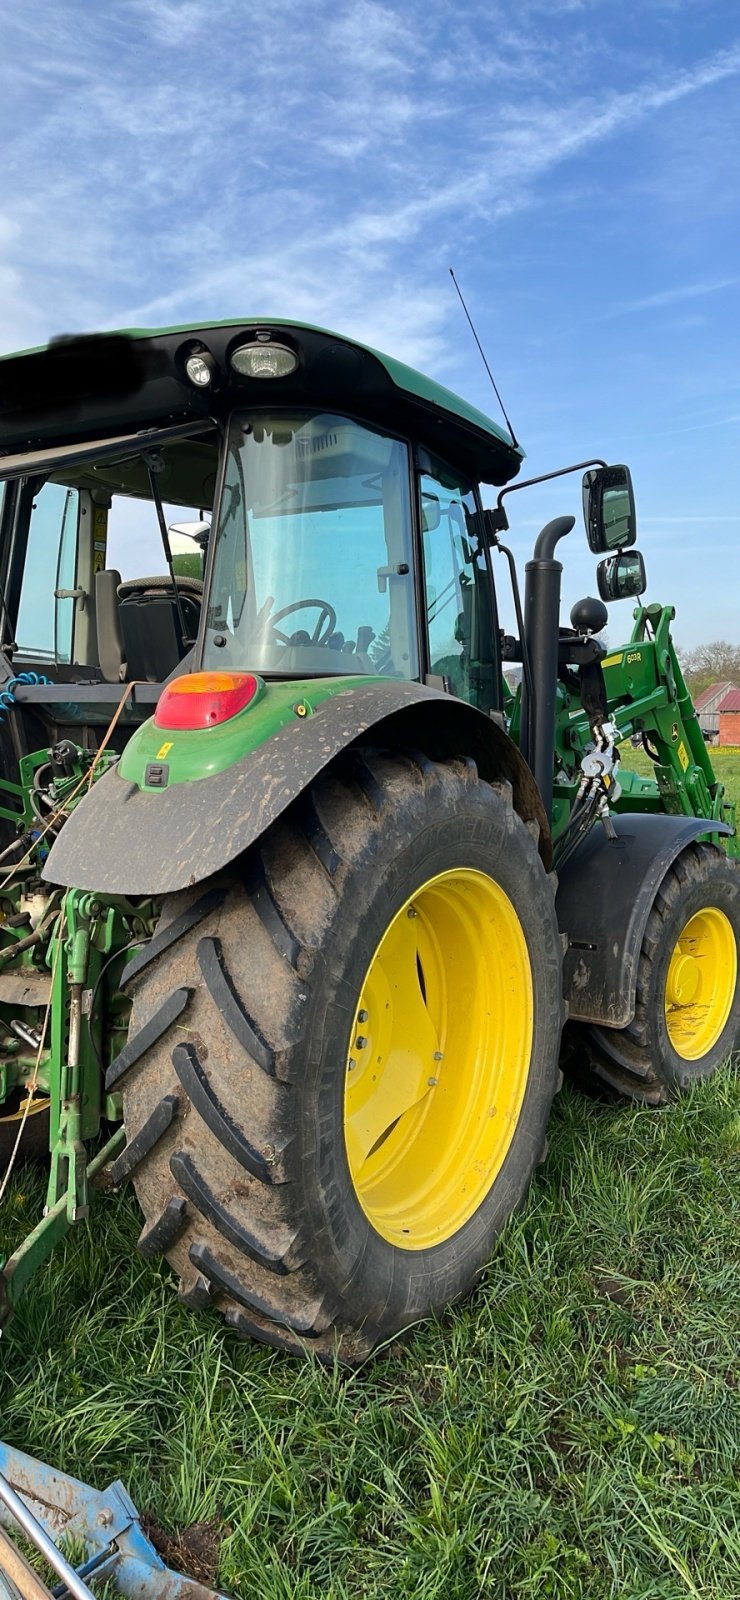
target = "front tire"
x: 687, y: 1016
x: 353, y: 1089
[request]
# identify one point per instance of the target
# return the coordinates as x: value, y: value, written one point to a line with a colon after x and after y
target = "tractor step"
x: 45, y: 1505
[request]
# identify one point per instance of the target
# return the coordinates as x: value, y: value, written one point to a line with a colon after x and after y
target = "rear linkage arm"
x: 88, y: 935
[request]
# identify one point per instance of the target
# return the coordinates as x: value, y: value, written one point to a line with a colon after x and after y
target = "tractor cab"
x: 246, y: 499
x: 322, y: 530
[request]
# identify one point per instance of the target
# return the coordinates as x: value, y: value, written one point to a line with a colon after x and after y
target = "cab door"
x: 459, y: 604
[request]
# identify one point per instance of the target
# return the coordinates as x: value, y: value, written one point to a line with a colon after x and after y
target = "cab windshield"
x: 312, y: 568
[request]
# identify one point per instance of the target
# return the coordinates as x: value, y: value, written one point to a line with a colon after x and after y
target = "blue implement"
x: 46, y: 1506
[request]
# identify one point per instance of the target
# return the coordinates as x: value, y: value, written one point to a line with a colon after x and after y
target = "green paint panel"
x: 199, y: 753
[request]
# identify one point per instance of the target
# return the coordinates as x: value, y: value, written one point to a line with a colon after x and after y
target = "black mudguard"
x: 603, y: 902
x: 124, y: 840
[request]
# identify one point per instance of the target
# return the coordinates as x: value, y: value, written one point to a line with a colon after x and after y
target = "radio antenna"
x: 483, y: 358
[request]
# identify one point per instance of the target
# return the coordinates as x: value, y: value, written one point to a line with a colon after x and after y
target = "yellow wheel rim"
x: 439, y: 1059
x: 35, y: 1107
x: 701, y: 983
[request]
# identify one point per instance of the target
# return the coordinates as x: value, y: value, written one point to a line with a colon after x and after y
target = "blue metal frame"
x: 48, y: 1505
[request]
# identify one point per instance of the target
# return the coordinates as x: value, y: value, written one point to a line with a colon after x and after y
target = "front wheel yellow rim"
x: 439, y: 1059
x: 701, y: 983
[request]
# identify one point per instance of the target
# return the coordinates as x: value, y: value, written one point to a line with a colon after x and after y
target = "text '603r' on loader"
x: 296, y: 893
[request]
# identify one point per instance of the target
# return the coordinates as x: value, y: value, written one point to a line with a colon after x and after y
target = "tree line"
x: 716, y: 662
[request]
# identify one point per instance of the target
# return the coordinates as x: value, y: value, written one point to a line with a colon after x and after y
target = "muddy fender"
x: 125, y: 840
x: 603, y: 902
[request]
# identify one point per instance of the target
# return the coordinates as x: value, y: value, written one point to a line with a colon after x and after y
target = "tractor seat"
x: 139, y: 630
x: 160, y: 583
x: 153, y: 641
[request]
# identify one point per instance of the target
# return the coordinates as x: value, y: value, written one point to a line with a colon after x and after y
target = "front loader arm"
x: 647, y: 698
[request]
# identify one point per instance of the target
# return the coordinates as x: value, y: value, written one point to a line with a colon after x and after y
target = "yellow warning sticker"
x: 100, y: 537
x: 683, y: 755
x: 164, y: 750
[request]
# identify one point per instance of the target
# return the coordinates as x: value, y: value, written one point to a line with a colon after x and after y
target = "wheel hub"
x: 683, y: 979
x: 438, y: 1059
x: 701, y: 983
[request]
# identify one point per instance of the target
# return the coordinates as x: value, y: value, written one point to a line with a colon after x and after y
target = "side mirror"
x: 199, y: 531
x: 609, y: 508
x: 188, y: 543
x: 621, y: 576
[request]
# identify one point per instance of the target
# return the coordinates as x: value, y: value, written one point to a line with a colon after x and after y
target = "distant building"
x: 707, y: 706
x: 729, y: 718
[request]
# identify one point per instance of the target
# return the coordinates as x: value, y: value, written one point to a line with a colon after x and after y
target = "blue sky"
x: 577, y: 161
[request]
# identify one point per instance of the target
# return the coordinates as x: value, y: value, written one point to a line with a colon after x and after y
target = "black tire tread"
x: 165, y: 937
x: 197, y: 1086
x: 242, y: 1246
x: 198, y: 1191
x: 139, y: 1043
x: 144, y: 1141
x: 160, y: 1234
x: 218, y: 981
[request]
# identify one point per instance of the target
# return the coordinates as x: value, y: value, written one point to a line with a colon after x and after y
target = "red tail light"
x: 203, y: 699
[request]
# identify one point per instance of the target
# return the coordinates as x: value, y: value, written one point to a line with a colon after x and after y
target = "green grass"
x: 572, y: 1432
x: 726, y: 763
x: 724, y: 759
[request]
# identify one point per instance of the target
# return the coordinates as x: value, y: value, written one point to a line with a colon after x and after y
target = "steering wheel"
x: 324, y: 628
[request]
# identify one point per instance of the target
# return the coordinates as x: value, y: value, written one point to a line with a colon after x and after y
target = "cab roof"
x: 93, y: 386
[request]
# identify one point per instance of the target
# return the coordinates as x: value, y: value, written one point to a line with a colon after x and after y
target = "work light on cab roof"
x: 199, y: 368
x: 264, y: 358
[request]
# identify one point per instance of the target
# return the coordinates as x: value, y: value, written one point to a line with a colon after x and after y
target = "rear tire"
x: 238, y: 1116
x: 687, y: 1016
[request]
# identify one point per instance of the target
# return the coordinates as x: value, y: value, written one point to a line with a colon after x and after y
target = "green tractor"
x: 297, y: 890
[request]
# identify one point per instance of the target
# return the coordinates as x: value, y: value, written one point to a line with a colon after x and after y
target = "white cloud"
x: 674, y: 296
x: 140, y: 163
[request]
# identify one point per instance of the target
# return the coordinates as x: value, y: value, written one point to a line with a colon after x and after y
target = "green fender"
x: 129, y: 839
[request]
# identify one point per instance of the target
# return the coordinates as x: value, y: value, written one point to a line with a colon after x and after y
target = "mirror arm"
x: 501, y: 522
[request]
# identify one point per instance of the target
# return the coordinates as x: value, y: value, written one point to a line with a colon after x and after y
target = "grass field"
x: 726, y: 763
x: 725, y: 760
x: 573, y: 1431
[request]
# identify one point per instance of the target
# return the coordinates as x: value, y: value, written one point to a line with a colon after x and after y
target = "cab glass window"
x: 459, y: 605
x: 312, y: 567
x: 45, y: 617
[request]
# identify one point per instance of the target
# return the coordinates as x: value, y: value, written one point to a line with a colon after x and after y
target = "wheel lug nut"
x: 438, y: 1056
x: 351, y: 1065
x: 412, y: 912
x: 360, y: 1043
x: 432, y: 1082
x: 362, y: 1016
